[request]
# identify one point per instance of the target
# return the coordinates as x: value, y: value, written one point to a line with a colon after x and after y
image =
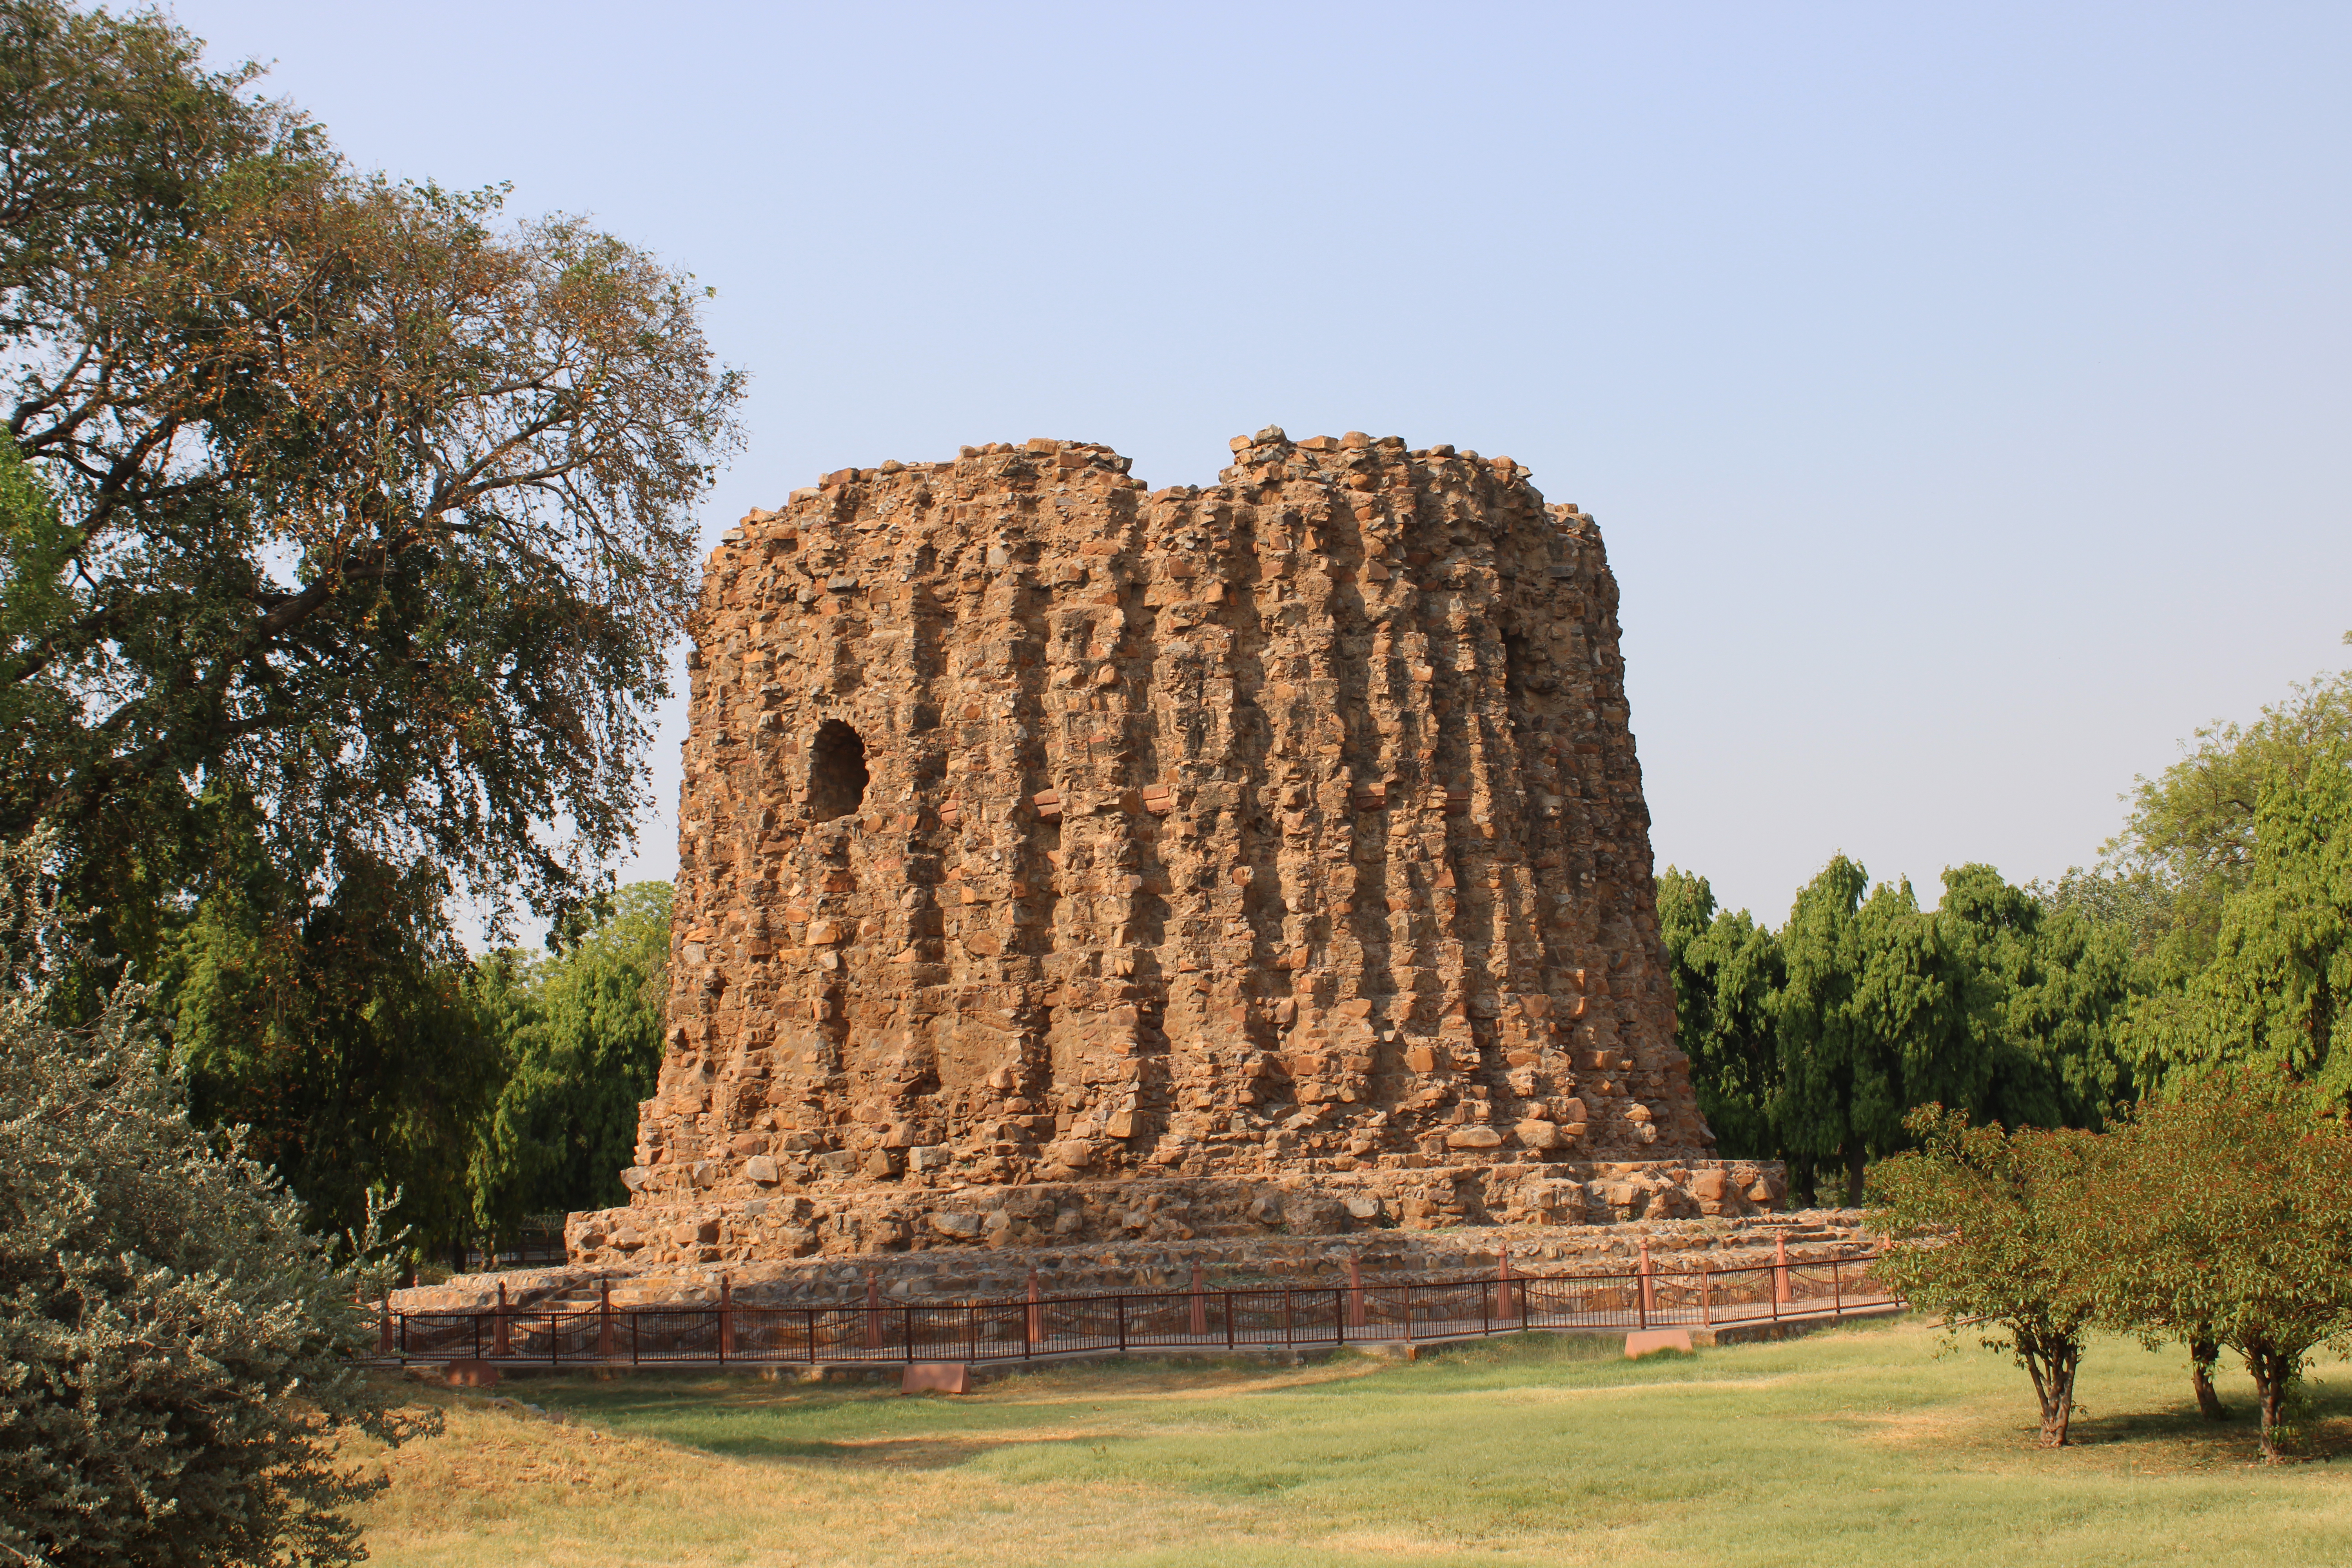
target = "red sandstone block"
x: 1645, y: 1342
x: 945, y: 1377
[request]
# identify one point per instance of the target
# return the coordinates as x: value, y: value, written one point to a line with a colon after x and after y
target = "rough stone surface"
x: 1387, y: 1255
x: 1040, y: 830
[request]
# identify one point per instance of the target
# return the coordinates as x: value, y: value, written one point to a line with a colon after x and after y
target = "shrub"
x: 172, y: 1337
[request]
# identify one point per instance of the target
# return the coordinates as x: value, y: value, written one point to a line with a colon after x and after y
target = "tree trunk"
x: 2052, y: 1363
x: 1855, y: 1160
x: 2274, y: 1372
x: 2202, y: 1353
x: 1802, y: 1185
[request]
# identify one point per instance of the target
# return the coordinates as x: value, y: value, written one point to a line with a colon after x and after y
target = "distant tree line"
x: 2215, y: 933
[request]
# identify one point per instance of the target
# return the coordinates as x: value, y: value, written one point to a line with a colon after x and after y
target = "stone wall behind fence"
x: 1384, y: 1257
x: 1040, y: 830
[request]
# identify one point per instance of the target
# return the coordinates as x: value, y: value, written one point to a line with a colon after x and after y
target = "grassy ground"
x: 1864, y: 1446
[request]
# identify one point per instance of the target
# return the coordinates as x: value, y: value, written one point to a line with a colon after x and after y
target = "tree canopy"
x: 1811, y: 1044
x: 582, y: 1043
x: 348, y: 523
x: 1997, y: 1228
x: 371, y: 511
x: 2274, y: 990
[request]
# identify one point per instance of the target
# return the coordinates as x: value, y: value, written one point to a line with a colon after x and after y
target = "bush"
x: 172, y: 1337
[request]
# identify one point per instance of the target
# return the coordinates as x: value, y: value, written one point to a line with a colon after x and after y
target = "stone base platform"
x: 907, y: 1216
x: 1383, y: 1256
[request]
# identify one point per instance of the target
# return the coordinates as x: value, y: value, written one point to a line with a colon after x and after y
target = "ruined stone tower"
x: 1281, y: 836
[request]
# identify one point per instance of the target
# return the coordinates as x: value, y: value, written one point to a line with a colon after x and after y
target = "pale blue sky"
x: 1961, y: 390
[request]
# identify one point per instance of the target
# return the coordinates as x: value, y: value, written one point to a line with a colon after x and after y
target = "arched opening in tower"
x: 836, y: 771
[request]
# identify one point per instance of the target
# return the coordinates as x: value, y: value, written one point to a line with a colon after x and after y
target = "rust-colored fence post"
x: 1199, y: 1318
x: 1512, y: 1303
x: 499, y: 1338
x: 1649, y: 1291
x: 1035, y: 1326
x: 726, y: 1317
x: 604, y: 1347
x: 1780, y: 1271
x: 1837, y: 1288
x: 1355, y: 1291
x: 1706, y: 1292
x: 872, y: 1312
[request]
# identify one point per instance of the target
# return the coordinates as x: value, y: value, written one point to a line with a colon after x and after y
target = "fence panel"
x: 1060, y: 1325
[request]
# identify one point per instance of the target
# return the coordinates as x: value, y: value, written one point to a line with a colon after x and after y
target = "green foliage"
x: 343, y: 1033
x: 1726, y: 969
x: 2044, y: 993
x: 2192, y: 837
x: 583, y: 1045
x: 2274, y: 990
x: 1814, y: 1043
x: 2227, y: 1216
x: 380, y: 512
x: 347, y: 525
x: 1850, y: 977
x: 172, y: 1336
x: 1997, y: 1228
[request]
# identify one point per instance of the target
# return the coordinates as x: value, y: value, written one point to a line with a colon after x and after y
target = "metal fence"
x: 1023, y: 1329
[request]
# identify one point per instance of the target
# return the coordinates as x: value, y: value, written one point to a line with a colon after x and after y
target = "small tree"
x: 172, y: 1337
x: 1991, y: 1227
x: 2229, y: 1222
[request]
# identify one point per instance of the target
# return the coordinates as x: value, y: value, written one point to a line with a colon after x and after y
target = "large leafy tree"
x: 346, y: 1033
x: 347, y: 525
x: 581, y: 1030
x: 1861, y: 1001
x: 1989, y: 1003
x: 2190, y: 838
x: 376, y: 511
x: 2043, y: 996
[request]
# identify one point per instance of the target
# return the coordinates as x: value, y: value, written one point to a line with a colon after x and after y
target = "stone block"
x: 1649, y: 1342
x: 936, y: 1377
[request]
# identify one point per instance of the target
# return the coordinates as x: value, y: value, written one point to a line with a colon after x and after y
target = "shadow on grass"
x: 2178, y: 1435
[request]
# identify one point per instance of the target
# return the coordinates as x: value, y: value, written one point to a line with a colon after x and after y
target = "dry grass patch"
x: 1864, y: 1446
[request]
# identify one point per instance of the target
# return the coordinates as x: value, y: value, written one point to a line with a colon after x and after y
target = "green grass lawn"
x: 1861, y: 1446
